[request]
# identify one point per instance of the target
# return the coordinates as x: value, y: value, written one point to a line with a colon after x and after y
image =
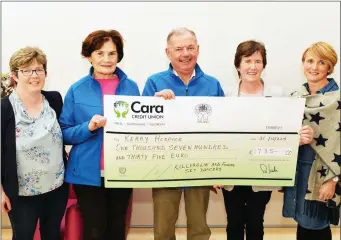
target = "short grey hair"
x: 180, y: 31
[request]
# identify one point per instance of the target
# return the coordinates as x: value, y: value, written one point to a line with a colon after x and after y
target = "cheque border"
x: 200, y: 179
x: 161, y: 133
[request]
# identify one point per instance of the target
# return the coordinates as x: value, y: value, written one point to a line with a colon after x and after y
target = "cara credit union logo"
x: 122, y: 108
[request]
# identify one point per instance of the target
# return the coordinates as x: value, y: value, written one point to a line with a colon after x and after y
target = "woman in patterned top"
x: 32, y: 150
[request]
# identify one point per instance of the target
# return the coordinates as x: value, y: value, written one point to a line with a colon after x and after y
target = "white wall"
x: 286, y: 28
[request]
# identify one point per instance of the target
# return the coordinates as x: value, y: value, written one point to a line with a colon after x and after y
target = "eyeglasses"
x: 29, y: 72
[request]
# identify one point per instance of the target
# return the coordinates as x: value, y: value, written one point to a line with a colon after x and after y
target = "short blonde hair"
x: 25, y: 56
x: 324, y: 51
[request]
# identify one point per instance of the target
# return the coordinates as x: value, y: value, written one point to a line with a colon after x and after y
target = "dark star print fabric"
x: 322, y: 113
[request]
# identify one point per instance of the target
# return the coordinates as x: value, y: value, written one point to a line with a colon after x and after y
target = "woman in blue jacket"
x: 103, y: 209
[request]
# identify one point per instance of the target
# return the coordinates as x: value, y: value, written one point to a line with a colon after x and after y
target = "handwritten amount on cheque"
x: 159, y: 148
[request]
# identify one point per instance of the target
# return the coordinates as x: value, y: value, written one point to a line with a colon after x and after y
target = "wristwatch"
x: 336, y: 179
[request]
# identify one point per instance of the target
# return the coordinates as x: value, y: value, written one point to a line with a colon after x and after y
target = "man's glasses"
x: 29, y: 72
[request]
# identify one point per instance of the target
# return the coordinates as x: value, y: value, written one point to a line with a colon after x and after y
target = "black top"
x: 9, y: 175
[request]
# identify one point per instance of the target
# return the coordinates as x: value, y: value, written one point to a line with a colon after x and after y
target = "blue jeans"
x: 294, y: 197
x: 49, y: 208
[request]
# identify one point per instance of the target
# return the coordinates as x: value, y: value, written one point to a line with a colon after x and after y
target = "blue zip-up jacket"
x: 200, y: 85
x: 82, y: 101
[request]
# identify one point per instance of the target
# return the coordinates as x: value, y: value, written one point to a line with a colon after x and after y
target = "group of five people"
x: 36, y: 124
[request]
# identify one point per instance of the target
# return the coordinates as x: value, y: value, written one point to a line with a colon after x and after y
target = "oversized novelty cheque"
x: 200, y: 141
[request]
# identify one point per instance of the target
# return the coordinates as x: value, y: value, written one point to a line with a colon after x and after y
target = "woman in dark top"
x: 32, y: 151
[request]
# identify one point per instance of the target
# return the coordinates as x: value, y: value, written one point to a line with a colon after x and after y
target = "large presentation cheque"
x: 200, y: 141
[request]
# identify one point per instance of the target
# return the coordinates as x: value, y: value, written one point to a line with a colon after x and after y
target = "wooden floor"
x: 217, y: 234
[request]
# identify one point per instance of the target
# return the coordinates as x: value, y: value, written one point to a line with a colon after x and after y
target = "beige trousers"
x: 166, y: 203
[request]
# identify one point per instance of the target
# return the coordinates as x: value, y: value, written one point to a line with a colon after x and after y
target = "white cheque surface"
x: 198, y: 141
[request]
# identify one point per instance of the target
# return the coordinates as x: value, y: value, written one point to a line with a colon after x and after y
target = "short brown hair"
x: 324, y: 51
x: 246, y: 49
x: 96, y: 39
x: 25, y: 56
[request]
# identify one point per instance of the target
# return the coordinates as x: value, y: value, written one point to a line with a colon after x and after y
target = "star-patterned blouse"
x: 39, y: 146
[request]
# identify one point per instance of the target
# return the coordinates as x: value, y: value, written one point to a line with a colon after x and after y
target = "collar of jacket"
x: 198, y: 72
x: 120, y: 74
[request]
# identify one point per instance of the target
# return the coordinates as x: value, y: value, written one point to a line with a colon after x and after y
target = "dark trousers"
x: 307, y: 234
x: 245, y: 210
x: 49, y: 208
x: 103, y: 211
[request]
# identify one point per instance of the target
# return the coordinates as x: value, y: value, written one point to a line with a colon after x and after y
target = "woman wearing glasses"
x: 103, y: 209
x: 32, y: 151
